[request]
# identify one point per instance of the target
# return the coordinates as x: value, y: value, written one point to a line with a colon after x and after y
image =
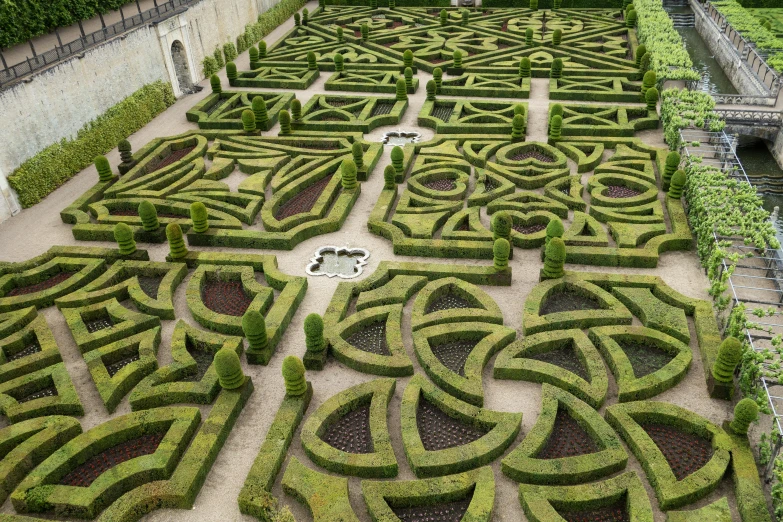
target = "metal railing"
x: 751, y: 117
x: 746, y: 51
x: 16, y: 72
x: 716, y: 149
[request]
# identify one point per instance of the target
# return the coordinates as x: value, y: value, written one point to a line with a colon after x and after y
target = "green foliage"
x: 294, y: 376
x: 241, y: 44
x: 340, y: 34
x: 652, y: 99
x: 262, y: 49
x: 229, y: 369
x: 311, y: 61
x: 524, y: 67
x: 407, y: 58
x: 297, y: 19
x: 285, y: 122
x: 554, y: 258
x: 392, y: 4
x: 534, y: 5
x: 668, y: 56
x: 229, y: 52
x: 199, y: 217
x: 557, y: 68
x: 348, y: 174
x: 457, y: 55
x: 253, y: 53
x: 177, y: 248
x: 644, y: 65
x: 554, y: 229
x: 314, y: 333
x: 402, y: 90
x: 254, y: 328
x: 529, y: 36
x: 231, y: 71
x: 465, y: 18
x: 729, y: 356
x: 373, y: 4
x: 501, y: 249
x: 501, y: 226
x: 444, y: 17
x: 217, y: 54
x: 630, y: 18
x: 248, y: 121
x: 126, y: 151
x: 677, y: 184
x: 557, y: 36
x: 432, y: 89
x: 365, y: 30
x: 640, y: 51
x: 339, y: 62
x: 149, y: 216
x: 683, y: 109
x: 296, y: 109
x: 747, y: 25
x: 437, y: 76
x: 214, y: 81
x: 104, y: 169
x: 397, y: 158
x: 647, y: 83
x: 389, y: 177
x: 672, y: 164
x: 745, y: 412
x: 357, y: 151
x: 518, y: 127
x: 209, y: 67
x: 556, y: 127
x: 305, y: 16
x: 408, y: 78
x: 258, y: 105
x: 556, y: 4
x: 123, y: 235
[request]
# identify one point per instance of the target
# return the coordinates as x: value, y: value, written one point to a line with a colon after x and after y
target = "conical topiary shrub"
x: 149, y: 216
x: 365, y: 30
x: 123, y: 235
x: 554, y: 258
x: 437, y: 77
x: 457, y: 55
x: 556, y: 128
x: 231, y: 71
x: 534, y: 5
x: 444, y: 17
x: 229, y: 369
x: 652, y: 99
x: 214, y: 81
x: 398, y: 158
x: 339, y: 62
x: 253, y: 54
x: 177, y: 248
x: 554, y: 229
x: 297, y: 19
x: 640, y: 51
x: 432, y: 89
x: 524, y: 67
x: 557, y: 36
x: 357, y: 151
x: 260, y: 111
x: 556, y: 4
x: 745, y: 412
x: 285, y: 123
x: 126, y: 154
x: 389, y: 177
x: 294, y: 376
x: 501, y: 249
x: 262, y: 49
x: 518, y: 127
x: 408, y: 74
x: 305, y: 16
x: 248, y: 121
x: 348, y: 174
x: 312, y: 64
x: 314, y: 333
x: 557, y: 68
x: 644, y: 64
x: 729, y: 356
x: 104, y: 169
x: 254, y: 328
x: 630, y: 18
x: 648, y: 82
x: 340, y: 36
x: 501, y: 226
x: 199, y: 217
x: 677, y: 184
x: 407, y: 58
x: 465, y: 18
x: 296, y: 109
x: 529, y: 36
x: 672, y: 164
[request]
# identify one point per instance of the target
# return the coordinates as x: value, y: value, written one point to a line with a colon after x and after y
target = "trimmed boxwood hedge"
x: 64, y: 402
x: 326, y: 496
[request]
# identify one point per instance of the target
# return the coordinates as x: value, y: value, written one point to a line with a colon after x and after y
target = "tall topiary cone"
x: 126, y: 152
x: 554, y: 229
x: 305, y: 16
x: 529, y: 36
x: 648, y: 83
x: 444, y: 17
x: 408, y: 74
x: 640, y: 51
x: 557, y: 68
x: 524, y: 67
x: 149, y: 216
x: 672, y: 164
x: 517, y: 127
x: 556, y: 4
x: 501, y: 226
x: 177, y: 248
x: 254, y: 328
x: 644, y: 65
x: 339, y: 34
x: 104, y: 169
x: 745, y: 412
x: 392, y: 4
x: 199, y: 216
x: 407, y: 58
x: 556, y: 128
x: 365, y: 30
x: 123, y: 235
x: 457, y: 55
x: 554, y: 258
x: 501, y: 249
x: 677, y: 184
x: 630, y: 18
x: 285, y: 123
x: 348, y: 174
x: 389, y: 177
x: 398, y: 158
x: 214, y: 81
x: 262, y: 49
x: 374, y: 4
x: 311, y: 61
x: 229, y: 369
x: 297, y: 19
x: 465, y: 18
x: 294, y: 376
x: 557, y: 36
x: 534, y: 5
x: 253, y: 53
x: 729, y: 356
x: 432, y: 90
x: 437, y: 77
x: 520, y: 109
x: 296, y: 109
x: 248, y: 120
x: 652, y: 99
x: 339, y: 62
x: 314, y: 333
x: 231, y: 71
x: 259, y: 110
x: 357, y: 151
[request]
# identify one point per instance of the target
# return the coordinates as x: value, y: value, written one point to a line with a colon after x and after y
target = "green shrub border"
x: 326, y: 496
x: 66, y: 402
x: 17, y: 341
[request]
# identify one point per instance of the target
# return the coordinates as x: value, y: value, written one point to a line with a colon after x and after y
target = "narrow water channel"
x: 766, y: 175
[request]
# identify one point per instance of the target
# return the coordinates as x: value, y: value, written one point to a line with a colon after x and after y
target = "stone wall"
x: 57, y: 102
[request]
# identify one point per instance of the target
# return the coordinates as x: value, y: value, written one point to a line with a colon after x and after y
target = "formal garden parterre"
x: 516, y: 346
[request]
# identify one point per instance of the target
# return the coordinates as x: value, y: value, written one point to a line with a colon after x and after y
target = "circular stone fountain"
x: 400, y: 137
x: 334, y: 261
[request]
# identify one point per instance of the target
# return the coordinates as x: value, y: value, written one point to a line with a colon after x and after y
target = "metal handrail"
x: 16, y: 72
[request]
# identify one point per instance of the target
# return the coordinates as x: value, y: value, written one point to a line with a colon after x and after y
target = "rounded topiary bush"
x: 294, y: 376
x: 444, y: 17
x: 126, y: 154
x: 630, y: 18
x: 652, y: 99
x: 640, y: 51
x: 348, y: 175
x: 745, y: 412
x: 214, y: 81
x: 672, y: 164
x: 262, y: 49
x: 339, y: 62
x: 408, y: 74
x: 389, y: 177
x: 357, y: 151
x: 149, y: 216
x: 402, y: 90
x: 312, y: 64
x: 296, y: 109
x: 398, y: 158
x: 529, y: 36
x: 554, y: 229
x: 253, y: 54
x: 554, y: 258
x: 644, y: 64
x: 231, y: 71
x: 365, y: 30
x: 519, y: 108
x: 123, y: 235
x: 518, y: 127
x: 556, y: 127
x: 556, y: 4
x: 373, y: 4
x: 340, y: 34
x: 314, y: 333
x: 285, y: 122
x: 465, y: 18
x: 177, y: 248
x: 501, y: 250
x: 534, y: 5
x: 648, y: 82
x: 199, y: 217
x: 432, y: 90
x: 437, y: 76
x: 501, y: 225
x: 524, y: 67
x: 407, y: 58
x: 305, y: 16
x: 457, y: 55
x: 104, y: 169
x: 297, y: 19
x: 248, y: 121
x: 259, y: 111
x: 729, y: 356
x: 557, y: 68
x: 557, y: 36
x: 254, y: 328
x: 677, y: 184
x: 392, y: 4
x: 229, y: 369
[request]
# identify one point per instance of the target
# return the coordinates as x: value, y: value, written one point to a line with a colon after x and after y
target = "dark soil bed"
x: 50, y: 282
x: 529, y: 229
x: 535, y: 154
x: 567, y: 302
x: 685, y: 452
x: 225, y: 297
x: 453, y: 355
x: 448, y: 301
x: 150, y: 285
x: 122, y: 363
x: 439, y: 431
x: 30, y: 349
x: 203, y: 357
x: 618, y: 191
x: 645, y: 358
x: 441, y: 185
x: 441, y: 512
x: 617, y: 512
x: 100, y: 322
x: 175, y: 155
x: 371, y: 339
x: 565, y: 358
x: 49, y: 391
x: 351, y: 432
x: 568, y: 439
x: 304, y: 201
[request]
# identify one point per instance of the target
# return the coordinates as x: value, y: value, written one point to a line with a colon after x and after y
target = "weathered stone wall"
x: 56, y: 103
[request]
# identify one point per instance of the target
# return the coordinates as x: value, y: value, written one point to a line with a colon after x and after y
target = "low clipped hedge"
x: 65, y: 402
x: 38, y: 176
